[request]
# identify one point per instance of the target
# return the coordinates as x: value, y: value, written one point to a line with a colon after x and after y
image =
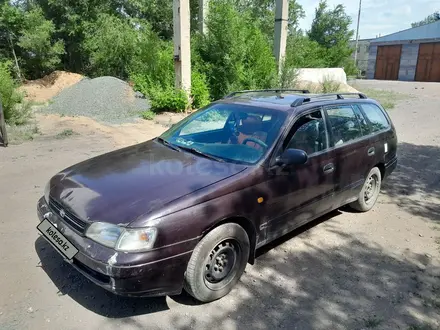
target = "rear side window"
x: 344, y: 124
x: 375, y: 116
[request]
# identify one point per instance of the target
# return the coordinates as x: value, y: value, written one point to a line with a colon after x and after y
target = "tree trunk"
x: 3, y: 134
x: 15, y: 58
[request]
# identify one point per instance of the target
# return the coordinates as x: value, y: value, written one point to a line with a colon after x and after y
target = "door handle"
x: 371, y: 151
x: 329, y: 168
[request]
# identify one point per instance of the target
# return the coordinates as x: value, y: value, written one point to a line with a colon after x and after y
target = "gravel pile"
x: 105, y: 99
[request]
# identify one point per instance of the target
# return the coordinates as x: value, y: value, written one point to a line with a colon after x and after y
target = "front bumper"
x: 152, y: 273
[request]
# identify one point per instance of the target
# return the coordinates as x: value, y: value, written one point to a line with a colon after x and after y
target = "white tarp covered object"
x: 319, y: 75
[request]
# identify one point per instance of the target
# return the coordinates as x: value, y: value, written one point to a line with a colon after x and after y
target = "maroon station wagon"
x: 189, y: 209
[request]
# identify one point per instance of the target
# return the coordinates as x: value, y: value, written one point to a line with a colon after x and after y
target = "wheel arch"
x: 381, y: 167
x: 247, y: 225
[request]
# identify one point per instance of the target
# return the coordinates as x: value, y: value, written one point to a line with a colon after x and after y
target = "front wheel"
x: 217, y: 262
x: 370, y: 191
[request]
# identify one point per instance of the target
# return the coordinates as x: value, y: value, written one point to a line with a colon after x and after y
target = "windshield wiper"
x: 201, y: 153
x: 168, y: 144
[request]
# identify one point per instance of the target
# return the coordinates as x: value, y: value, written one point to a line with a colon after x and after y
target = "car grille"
x: 68, y: 217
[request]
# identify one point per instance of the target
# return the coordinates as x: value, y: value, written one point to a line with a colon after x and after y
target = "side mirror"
x: 292, y: 157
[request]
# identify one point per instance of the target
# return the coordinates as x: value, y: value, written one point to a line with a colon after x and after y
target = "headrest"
x: 250, y: 124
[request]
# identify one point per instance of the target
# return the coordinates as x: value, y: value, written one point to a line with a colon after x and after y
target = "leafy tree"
x: 11, y: 19
x: 236, y: 57
x: 301, y: 52
x: 72, y: 19
x: 39, y: 50
x: 159, y: 13
x: 111, y: 43
x: 331, y: 29
x: 28, y: 38
x: 429, y: 19
x: 263, y: 12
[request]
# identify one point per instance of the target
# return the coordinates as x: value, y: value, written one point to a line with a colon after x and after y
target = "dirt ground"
x: 42, y: 90
x: 378, y: 270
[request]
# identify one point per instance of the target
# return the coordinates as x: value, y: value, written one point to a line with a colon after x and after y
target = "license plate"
x: 57, y: 239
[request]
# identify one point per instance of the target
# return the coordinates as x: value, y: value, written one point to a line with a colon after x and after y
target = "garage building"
x: 408, y: 55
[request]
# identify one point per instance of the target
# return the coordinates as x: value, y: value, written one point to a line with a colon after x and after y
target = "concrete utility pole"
x: 182, y: 50
x: 281, y: 30
x: 203, y: 13
x: 357, y: 33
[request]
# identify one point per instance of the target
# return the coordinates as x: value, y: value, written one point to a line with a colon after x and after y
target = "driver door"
x: 301, y: 193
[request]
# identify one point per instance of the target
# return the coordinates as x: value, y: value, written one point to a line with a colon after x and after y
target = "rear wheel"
x: 370, y: 191
x: 217, y: 262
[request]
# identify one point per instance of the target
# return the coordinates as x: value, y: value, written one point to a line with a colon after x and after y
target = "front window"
x: 308, y: 134
x: 228, y: 132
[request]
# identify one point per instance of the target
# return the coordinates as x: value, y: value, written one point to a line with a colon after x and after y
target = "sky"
x: 378, y: 16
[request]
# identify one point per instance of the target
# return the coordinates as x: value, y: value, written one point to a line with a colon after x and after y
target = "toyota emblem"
x: 62, y: 213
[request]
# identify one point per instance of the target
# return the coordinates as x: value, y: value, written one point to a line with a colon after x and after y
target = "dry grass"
x: 17, y: 134
x: 387, y: 98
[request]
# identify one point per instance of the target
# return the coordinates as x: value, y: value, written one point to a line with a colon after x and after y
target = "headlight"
x: 46, y: 192
x: 137, y: 239
x: 121, y: 239
x: 104, y: 233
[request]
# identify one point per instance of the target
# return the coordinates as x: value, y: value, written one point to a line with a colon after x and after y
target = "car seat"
x: 251, y: 127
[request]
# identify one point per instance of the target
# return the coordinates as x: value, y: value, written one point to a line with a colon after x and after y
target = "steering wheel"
x: 257, y: 141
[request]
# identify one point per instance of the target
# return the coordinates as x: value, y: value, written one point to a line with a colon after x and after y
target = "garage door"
x: 388, y: 62
x: 428, y: 64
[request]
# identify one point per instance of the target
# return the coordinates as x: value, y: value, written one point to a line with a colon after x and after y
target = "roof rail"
x: 277, y: 90
x: 339, y: 96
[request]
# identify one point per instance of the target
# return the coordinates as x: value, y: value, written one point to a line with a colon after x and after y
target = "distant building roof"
x: 427, y: 31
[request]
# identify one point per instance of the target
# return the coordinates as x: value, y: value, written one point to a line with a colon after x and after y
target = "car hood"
x: 124, y: 185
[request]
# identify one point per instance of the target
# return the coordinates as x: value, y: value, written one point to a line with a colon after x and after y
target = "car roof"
x: 291, y: 100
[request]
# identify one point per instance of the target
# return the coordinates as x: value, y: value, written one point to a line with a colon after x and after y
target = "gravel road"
x: 378, y: 270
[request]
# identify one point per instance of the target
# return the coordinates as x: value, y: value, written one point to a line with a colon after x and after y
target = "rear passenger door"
x: 300, y: 193
x: 351, y: 145
x: 382, y: 138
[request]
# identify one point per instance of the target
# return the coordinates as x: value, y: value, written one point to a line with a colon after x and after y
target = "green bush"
x: 168, y: 100
x: 199, y: 90
x: 350, y: 67
x: 148, y: 115
x: 16, y: 111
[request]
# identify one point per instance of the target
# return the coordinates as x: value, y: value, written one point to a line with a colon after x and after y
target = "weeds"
x: 22, y: 133
x: 372, y: 322
x: 66, y: 133
x: 329, y: 86
x: 148, y: 115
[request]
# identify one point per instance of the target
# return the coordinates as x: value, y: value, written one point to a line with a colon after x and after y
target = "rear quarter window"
x: 375, y: 116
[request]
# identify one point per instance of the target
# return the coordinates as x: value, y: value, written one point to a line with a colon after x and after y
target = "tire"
x: 217, y: 263
x: 370, y: 191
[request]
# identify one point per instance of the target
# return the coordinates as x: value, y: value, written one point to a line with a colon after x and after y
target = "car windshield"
x: 227, y: 132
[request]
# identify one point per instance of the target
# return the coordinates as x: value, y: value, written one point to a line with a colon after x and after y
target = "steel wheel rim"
x: 371, y: 187
x: 220, y: 267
